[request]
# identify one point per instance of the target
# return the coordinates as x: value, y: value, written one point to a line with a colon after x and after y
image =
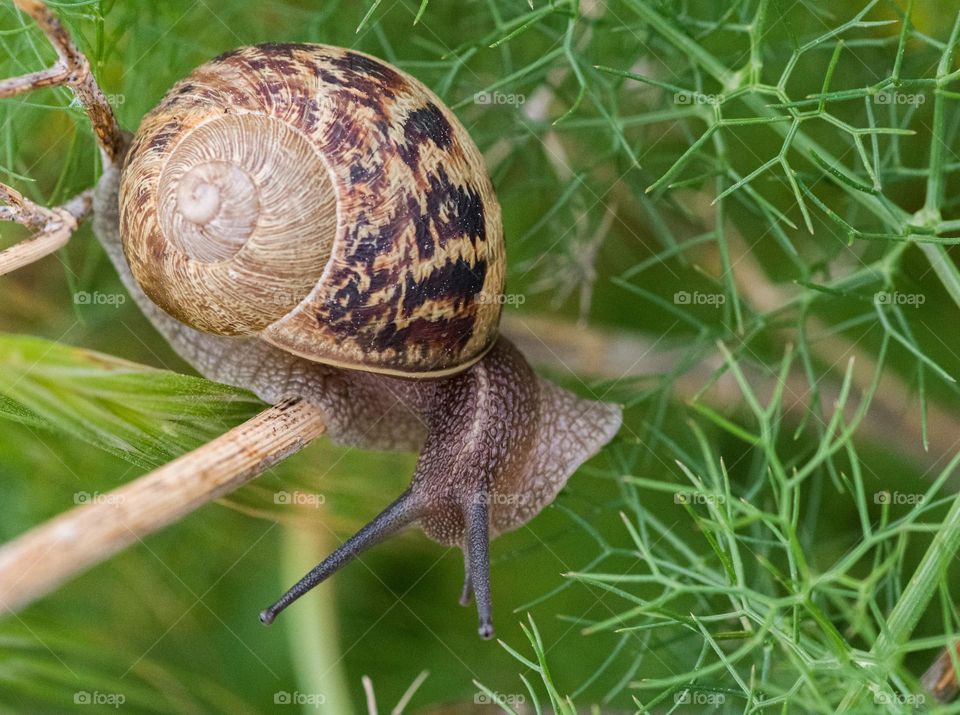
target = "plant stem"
x: 314, y: 640
x: 918, y: 592
x: 36, y: 563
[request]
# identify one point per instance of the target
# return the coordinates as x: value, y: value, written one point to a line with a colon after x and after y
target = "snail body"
x: 307, y: 221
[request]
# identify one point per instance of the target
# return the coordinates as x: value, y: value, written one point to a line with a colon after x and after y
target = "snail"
x: 310, y: 222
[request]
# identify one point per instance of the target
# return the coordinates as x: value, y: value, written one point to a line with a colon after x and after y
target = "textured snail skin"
x: 496, y: 442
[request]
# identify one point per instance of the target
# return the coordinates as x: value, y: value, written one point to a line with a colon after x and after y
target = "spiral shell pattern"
x: 322, y: 200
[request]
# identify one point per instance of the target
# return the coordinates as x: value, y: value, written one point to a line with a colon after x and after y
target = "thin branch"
x: 371, y: 696
x: 624, y: 357
x: 39, y: 561
x: 941, y: 677
x: 73, y: 70
x: 56, y: 225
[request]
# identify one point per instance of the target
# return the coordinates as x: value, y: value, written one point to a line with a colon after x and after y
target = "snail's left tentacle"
x: 400, y: 514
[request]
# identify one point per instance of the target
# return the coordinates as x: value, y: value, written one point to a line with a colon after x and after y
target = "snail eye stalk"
x: 395, y: 518
x: 400, y: 514
x: 477, y: 562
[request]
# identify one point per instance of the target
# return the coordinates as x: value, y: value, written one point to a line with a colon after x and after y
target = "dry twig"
x: 55, y: 226
x: 941, y: 677
x: 52, y: 553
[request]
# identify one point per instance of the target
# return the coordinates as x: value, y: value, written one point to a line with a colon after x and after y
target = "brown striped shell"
x: 322, y: 200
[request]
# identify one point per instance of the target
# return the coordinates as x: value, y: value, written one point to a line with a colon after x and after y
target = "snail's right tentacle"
x: 467, y: 595
x: 477, y: 553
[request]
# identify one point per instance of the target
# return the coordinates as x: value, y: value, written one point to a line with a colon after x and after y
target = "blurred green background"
x: 171, y: 623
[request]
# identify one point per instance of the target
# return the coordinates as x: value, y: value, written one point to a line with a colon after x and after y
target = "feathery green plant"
x: 768, y: 190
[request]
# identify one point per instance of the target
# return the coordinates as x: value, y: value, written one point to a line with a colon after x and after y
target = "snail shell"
x: 322, y: 200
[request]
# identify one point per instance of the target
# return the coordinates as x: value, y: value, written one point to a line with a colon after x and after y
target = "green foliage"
x: 141, y: 414
x: 767, y: 190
